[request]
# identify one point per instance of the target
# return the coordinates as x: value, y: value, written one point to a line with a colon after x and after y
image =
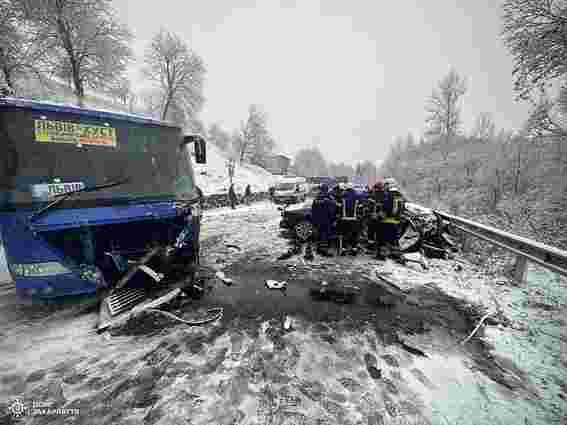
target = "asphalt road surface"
x: 382, y: 356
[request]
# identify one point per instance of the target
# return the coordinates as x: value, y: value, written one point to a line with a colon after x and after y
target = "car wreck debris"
x: 274, y: 284
x: 486, y: 316
x: 213, y: 315
x: 222, y: 277
x: 338, y: 293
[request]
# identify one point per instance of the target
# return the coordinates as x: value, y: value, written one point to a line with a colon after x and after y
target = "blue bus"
x: 86, y: 195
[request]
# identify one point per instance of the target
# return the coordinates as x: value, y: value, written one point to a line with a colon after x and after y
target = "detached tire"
x: 303, y: 230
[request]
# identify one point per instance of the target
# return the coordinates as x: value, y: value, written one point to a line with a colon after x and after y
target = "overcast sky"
x: 346, y: 76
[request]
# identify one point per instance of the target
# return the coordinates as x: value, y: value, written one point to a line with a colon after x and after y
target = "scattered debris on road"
x: 213, y: 315
x: 274, y: 284
x: 418, y: 258
x: 338, y: 293
x: 222, y: 277
x: 476, y: 328
x: 229, y: 245
x: 287, y: 324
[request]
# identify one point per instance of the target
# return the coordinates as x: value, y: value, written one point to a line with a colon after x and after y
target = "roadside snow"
x: 212, y: 177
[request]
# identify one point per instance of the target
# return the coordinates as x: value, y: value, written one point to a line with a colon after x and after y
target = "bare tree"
x: 219, y: 137
x: 484, y: 127
x: 548, y: 117
x: 22, y: 49
x: 444, y: 114
x: 121, y: 91
x: 230, y: 168
x: 535, y: 32
x: 310, y: 163
x: 178, y: 73
x: 85, y: 42
x: 257, y: 141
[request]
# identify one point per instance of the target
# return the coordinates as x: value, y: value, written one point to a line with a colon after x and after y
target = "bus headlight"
x: 51, y: 268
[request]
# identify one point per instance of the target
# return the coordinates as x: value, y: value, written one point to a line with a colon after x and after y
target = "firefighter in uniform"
x: 323, y: 212
x: 349, y: 223
x: 394, y: 205
x: 376, y: 212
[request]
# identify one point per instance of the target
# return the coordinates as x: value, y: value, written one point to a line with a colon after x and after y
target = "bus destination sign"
x: 47, y: 131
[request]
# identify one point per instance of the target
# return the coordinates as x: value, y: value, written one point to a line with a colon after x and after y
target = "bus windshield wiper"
x: 63, y: 196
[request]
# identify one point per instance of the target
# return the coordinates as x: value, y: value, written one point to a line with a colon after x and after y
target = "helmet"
x: 390, y: 181
x: 349, y: 186
x: 379, y: 185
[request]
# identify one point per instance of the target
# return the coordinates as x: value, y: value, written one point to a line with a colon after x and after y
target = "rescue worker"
x: 232, y: 196
x: 376, y: 204
x: 323, y: 213
x: 349, y: 221
x: 394, y: 205
x: 337, y: 193
x: 247, y: 194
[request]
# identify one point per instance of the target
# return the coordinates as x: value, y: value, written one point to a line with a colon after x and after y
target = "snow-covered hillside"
x: 212, y: 177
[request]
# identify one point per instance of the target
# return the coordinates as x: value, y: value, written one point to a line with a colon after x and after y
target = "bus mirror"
x: 200, y: 151
x: 200, y: 148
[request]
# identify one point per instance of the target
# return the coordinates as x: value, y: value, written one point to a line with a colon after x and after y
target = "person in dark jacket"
x: 337, y: 193
x: 350, y: 222
x: 232, y: 196
x: 323, y: 214
x: 247, y: 194
x: 271, y: 192
x: 394, y: 205
x: 376, y: 212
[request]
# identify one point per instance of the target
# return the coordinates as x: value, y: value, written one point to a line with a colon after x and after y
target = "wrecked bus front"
x: 83, y: 193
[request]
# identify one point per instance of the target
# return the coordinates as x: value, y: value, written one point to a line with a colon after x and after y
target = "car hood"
x: 286, y: 192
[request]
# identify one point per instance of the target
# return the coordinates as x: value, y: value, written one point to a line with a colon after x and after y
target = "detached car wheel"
x: 303, y: 230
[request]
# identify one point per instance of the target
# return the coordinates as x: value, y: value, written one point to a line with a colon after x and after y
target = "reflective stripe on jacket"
x: 393, y: 208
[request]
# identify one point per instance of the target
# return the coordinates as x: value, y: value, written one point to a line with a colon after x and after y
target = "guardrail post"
x: 520, y: 269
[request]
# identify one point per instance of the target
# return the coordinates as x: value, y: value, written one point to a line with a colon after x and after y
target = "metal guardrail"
x: 525, y: 249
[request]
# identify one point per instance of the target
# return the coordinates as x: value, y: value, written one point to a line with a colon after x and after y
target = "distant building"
x: 278, y: 164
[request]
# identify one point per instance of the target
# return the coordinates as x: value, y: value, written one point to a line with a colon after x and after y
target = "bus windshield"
x: 48, y: 154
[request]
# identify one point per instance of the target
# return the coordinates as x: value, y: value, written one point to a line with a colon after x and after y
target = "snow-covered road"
x: 388, y: 357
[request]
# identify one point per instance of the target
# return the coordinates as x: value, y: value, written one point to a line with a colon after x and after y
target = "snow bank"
x: 212, y: 177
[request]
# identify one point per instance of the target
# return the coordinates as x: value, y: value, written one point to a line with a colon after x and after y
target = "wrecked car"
x: 94, y: 201
x: 421, y: 229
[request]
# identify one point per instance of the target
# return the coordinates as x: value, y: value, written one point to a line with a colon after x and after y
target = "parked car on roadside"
x: 290, y: 190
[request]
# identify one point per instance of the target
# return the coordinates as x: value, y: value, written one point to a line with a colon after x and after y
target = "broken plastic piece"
x: 274, y: 284
x: 287, y: 323
x: 153, y: 274
x: 227, y: 281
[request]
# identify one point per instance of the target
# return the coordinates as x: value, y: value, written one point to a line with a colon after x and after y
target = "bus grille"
x: 124, y: 299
